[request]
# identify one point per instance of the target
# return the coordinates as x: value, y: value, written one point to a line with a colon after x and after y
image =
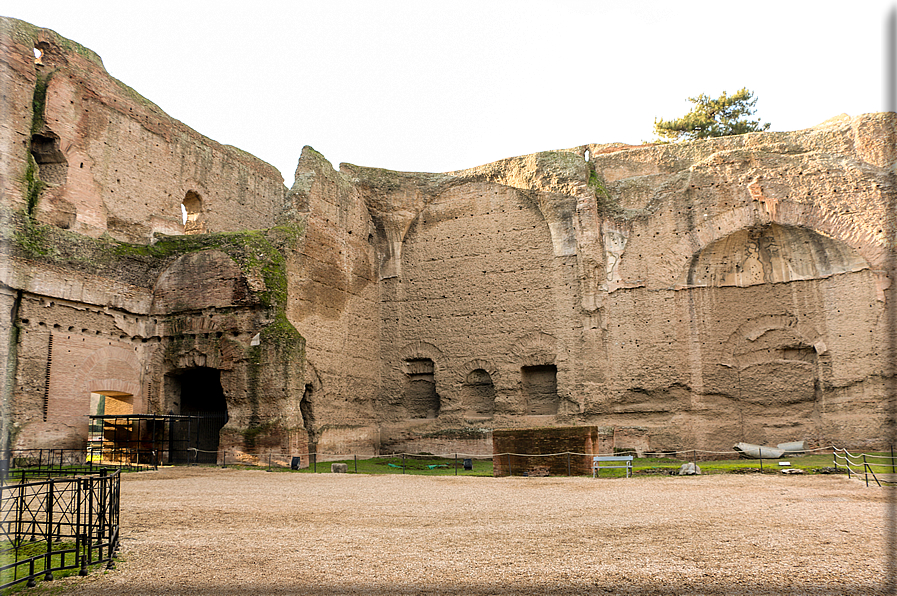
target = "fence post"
x: 509, y: 465
x: 761, y: 459
x: 456, y: 464
x: 892, y: 458
x: 102, y: 512
x: 315, y: 459
x: 403, y: 463
x: 865, y: 470
x: 568, y: 463
x: 88, y: 483
x: 356, y: 463
x: 20, y: 502
x: 79, y: 537
x: 48, y: 576
x: 31, y: 583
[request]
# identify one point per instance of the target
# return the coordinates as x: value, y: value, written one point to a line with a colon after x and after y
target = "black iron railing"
x: 58, y: 524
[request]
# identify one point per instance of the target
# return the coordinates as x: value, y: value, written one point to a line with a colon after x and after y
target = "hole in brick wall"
x: 421, y: 398
x: 38, y: 54
x: 191, y: 213
x: 52, y: 166
x: 540, y: 389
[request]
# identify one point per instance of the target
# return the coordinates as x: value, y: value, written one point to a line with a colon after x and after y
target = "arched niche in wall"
x: 418, y: 362
x: 783, y: 296
x: 478, y: 389
x: 540, y: 389
x: 770, y: 254
x: 421, y: 398
x: 537, y: 354
x: 192, y: 213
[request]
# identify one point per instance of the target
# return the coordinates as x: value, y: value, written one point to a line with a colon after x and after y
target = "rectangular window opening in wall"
x: 540, y: 389
x: 421, y: 399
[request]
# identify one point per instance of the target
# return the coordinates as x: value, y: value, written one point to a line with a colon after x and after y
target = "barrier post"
x: 403, y: 463
x: 865, y: 470
x: 892, y: 458
x: 456, y: 464
x: 568, y: 463
x: 356, y: 463
x: 48, y: 576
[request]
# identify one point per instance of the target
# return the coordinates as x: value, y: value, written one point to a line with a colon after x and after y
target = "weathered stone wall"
x: 332, y: 300
x: 713, y: 292
x: 78, y: 337
x: 678, y: 296
x: 109, y: 161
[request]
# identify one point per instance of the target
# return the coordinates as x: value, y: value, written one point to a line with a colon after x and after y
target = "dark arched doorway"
x: 196, y: 394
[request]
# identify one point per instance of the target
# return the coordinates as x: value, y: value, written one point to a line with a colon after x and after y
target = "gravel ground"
x: 223, y: 531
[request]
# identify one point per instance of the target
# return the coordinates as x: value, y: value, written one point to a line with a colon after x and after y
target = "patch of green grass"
x: 421, y: 465
x: 430, y: 465
x: 26, y: 550
x: 660, y: 466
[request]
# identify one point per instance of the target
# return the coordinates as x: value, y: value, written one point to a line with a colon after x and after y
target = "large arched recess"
x: 770, y: 254
x: 782, y: 319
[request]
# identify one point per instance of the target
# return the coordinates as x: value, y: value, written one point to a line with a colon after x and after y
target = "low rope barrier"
x: 868, y: 466
x: 858, y: 465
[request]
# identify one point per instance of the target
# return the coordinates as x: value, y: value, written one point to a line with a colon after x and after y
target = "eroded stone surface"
x: 679, y: 296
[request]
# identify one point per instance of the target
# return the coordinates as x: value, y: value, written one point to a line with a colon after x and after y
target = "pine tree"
x: 724, y: 116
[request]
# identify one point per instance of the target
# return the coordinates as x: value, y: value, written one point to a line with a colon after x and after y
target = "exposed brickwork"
x: 507, y: 444
x: 678, y: 296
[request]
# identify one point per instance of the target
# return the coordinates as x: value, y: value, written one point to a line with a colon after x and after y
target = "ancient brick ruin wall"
x: 715, y: 292
x: 184, y: 310
x: 686, y: 295
x: 478, y: 287
x: 111, y: 161
x: 567, y: 450
x: 333, y: 301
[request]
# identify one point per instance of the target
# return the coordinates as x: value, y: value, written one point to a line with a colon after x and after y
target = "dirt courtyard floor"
x: 230, y: 532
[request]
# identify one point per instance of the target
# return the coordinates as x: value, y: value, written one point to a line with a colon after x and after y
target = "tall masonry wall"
x: 108, y: 160
x: 689, y: 295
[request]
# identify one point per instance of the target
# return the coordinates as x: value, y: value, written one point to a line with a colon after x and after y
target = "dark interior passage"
x: 197, y: 393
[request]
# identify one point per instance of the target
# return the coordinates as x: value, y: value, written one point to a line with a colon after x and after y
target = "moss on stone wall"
x: 33, y: 186
x: 259, y: 253
x: 28, y: 34
x: 39, y: 101
x: 606, y: 205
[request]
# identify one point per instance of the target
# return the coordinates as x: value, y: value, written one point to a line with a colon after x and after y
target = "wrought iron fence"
x: 58, y: 524
x: 22, y: 464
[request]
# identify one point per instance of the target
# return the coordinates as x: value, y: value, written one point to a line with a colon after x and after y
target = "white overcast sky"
x: 438, y: 86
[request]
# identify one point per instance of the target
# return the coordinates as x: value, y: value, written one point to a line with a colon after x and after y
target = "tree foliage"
x: 724, y: 116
